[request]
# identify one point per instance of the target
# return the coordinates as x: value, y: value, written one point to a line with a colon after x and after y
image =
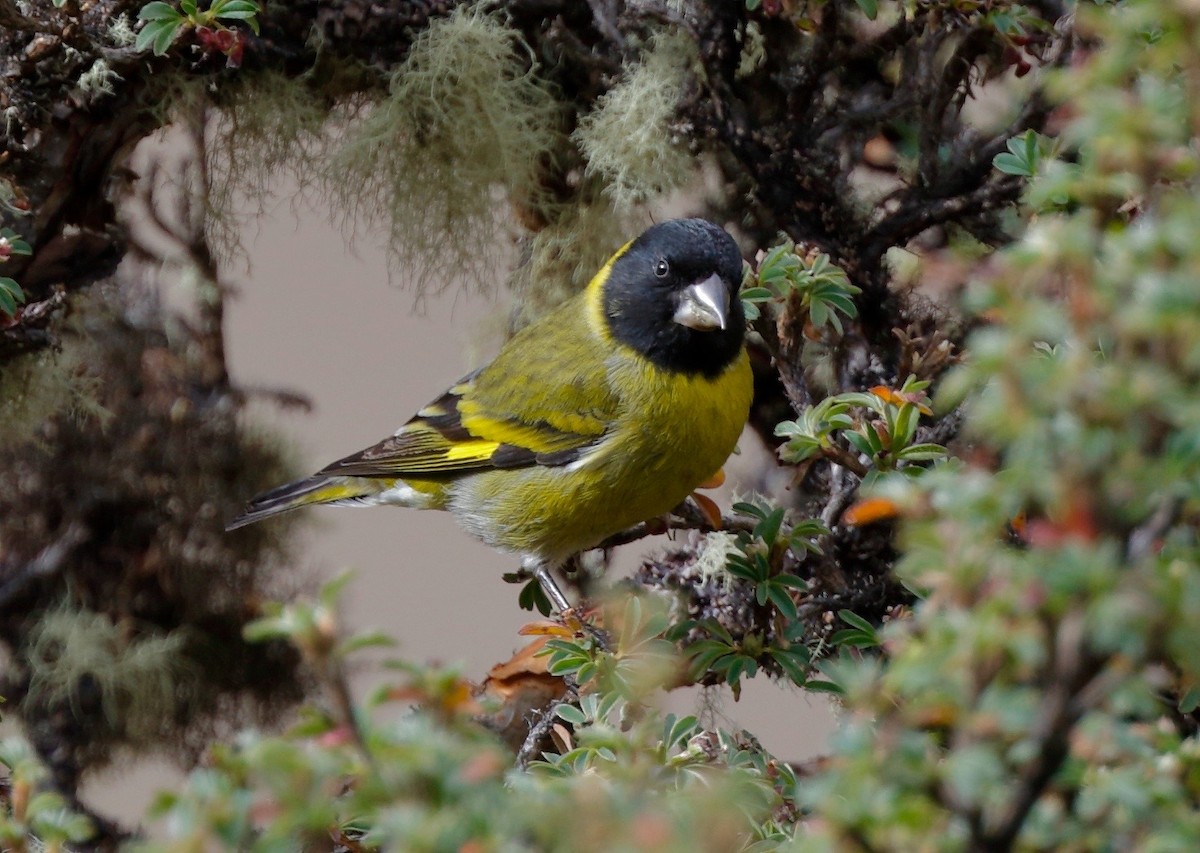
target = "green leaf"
x: 365, y: 640
x: 570, y: 714
x: 533, y: 597
x: 10, y: 295
x: 1010, y: 164
x: 783, y: 602
x: 158, y: 11
x: 905, y: 426
x: 1190, y: 700
x: 922, y: 452
x: 861, y: 443
x: 793, y: 662
x: 752, y: 510
x: 768, y: 529
x: 718, y: 630
x: 853, y: 619
x: 707, y: 658
x: 791, y: 581
x: 677, y: 731
x: 824, y: 687
x: 158, y: 35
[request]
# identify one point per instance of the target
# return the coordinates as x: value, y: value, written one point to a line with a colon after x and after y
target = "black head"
x: 673, y: 296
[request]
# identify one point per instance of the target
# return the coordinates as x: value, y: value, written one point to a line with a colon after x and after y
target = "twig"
x: 1143, y: 538
x: 339, y: 689
x: 539, y: 730
x: 12, y: 18
x: 1077, y: 682
x: 919, y: 213
x: 729, y: 523
x: 841, y: 456
x: 50, y: 560
x: 842, y: 492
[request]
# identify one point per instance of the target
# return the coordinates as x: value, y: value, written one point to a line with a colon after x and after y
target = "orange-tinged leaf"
x: 715, y: 481
x: 1077, y: 524
x: 459, y: 699
x: 887, y: 395
x: 545, y: 628
x: 338, y: 736
x: 870, y: 511
x: 897, y: 398
x: 525, y: 660
x: 711, y: 512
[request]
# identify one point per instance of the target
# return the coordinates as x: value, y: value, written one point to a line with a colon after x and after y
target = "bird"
x: 605, y: 412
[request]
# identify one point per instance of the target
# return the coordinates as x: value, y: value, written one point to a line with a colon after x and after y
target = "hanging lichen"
x: 628, y: 140
x: 466, y: 124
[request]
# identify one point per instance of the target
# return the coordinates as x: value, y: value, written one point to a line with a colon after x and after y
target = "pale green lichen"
x: 467, y: 124
x: 137, y: 678
x: 712, y: 558
x: 121, y: 32
x: 559, y: 259
x: 627, y: 139
x: 97, y: 80
x: 754, y: 50
x: 46, y: 383
x: 270, y: 128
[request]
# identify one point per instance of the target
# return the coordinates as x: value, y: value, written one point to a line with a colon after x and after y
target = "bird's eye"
x: 661, y: 269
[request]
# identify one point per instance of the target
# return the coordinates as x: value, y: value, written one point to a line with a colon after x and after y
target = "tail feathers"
x: 314, y: 490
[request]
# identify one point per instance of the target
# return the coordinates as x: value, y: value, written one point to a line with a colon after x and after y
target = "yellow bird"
x: 605, y: 412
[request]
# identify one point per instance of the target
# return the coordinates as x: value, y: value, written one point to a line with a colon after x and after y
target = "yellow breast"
x: 674, y: 432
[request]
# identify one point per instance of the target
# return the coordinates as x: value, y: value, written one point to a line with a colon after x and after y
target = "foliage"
x: 1033, y: 700
x: 163, y: 23
x: 10, y: 292
x: 33, y: 813
x: 433, y: 779
x: 822, y: 290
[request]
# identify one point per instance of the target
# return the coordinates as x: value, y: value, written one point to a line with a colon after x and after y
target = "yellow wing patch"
x: 455, y: 435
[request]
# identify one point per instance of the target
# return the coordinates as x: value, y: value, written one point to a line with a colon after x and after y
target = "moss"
x: 60, y: 382
x: 44, y: 384
x: 627, y: 139
x: 149, y: 650
x: 559, y: 260
x: 270, y: 126
x: 136, y: 679
x: 466, y: 124
x: 754, y: 50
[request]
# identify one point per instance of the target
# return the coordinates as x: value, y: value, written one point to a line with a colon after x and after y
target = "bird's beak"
x: 703, y: 305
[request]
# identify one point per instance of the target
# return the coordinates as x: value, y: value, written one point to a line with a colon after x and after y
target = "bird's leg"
x: 541, y: 570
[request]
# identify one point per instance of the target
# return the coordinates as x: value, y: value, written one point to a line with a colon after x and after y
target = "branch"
x: 683, y: 517
x: 1078, y: 682
x: 917, y: 213
x: 12, y: 18
x: 843, y: 491
x: 539, y: 730
x: 49, y: 561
